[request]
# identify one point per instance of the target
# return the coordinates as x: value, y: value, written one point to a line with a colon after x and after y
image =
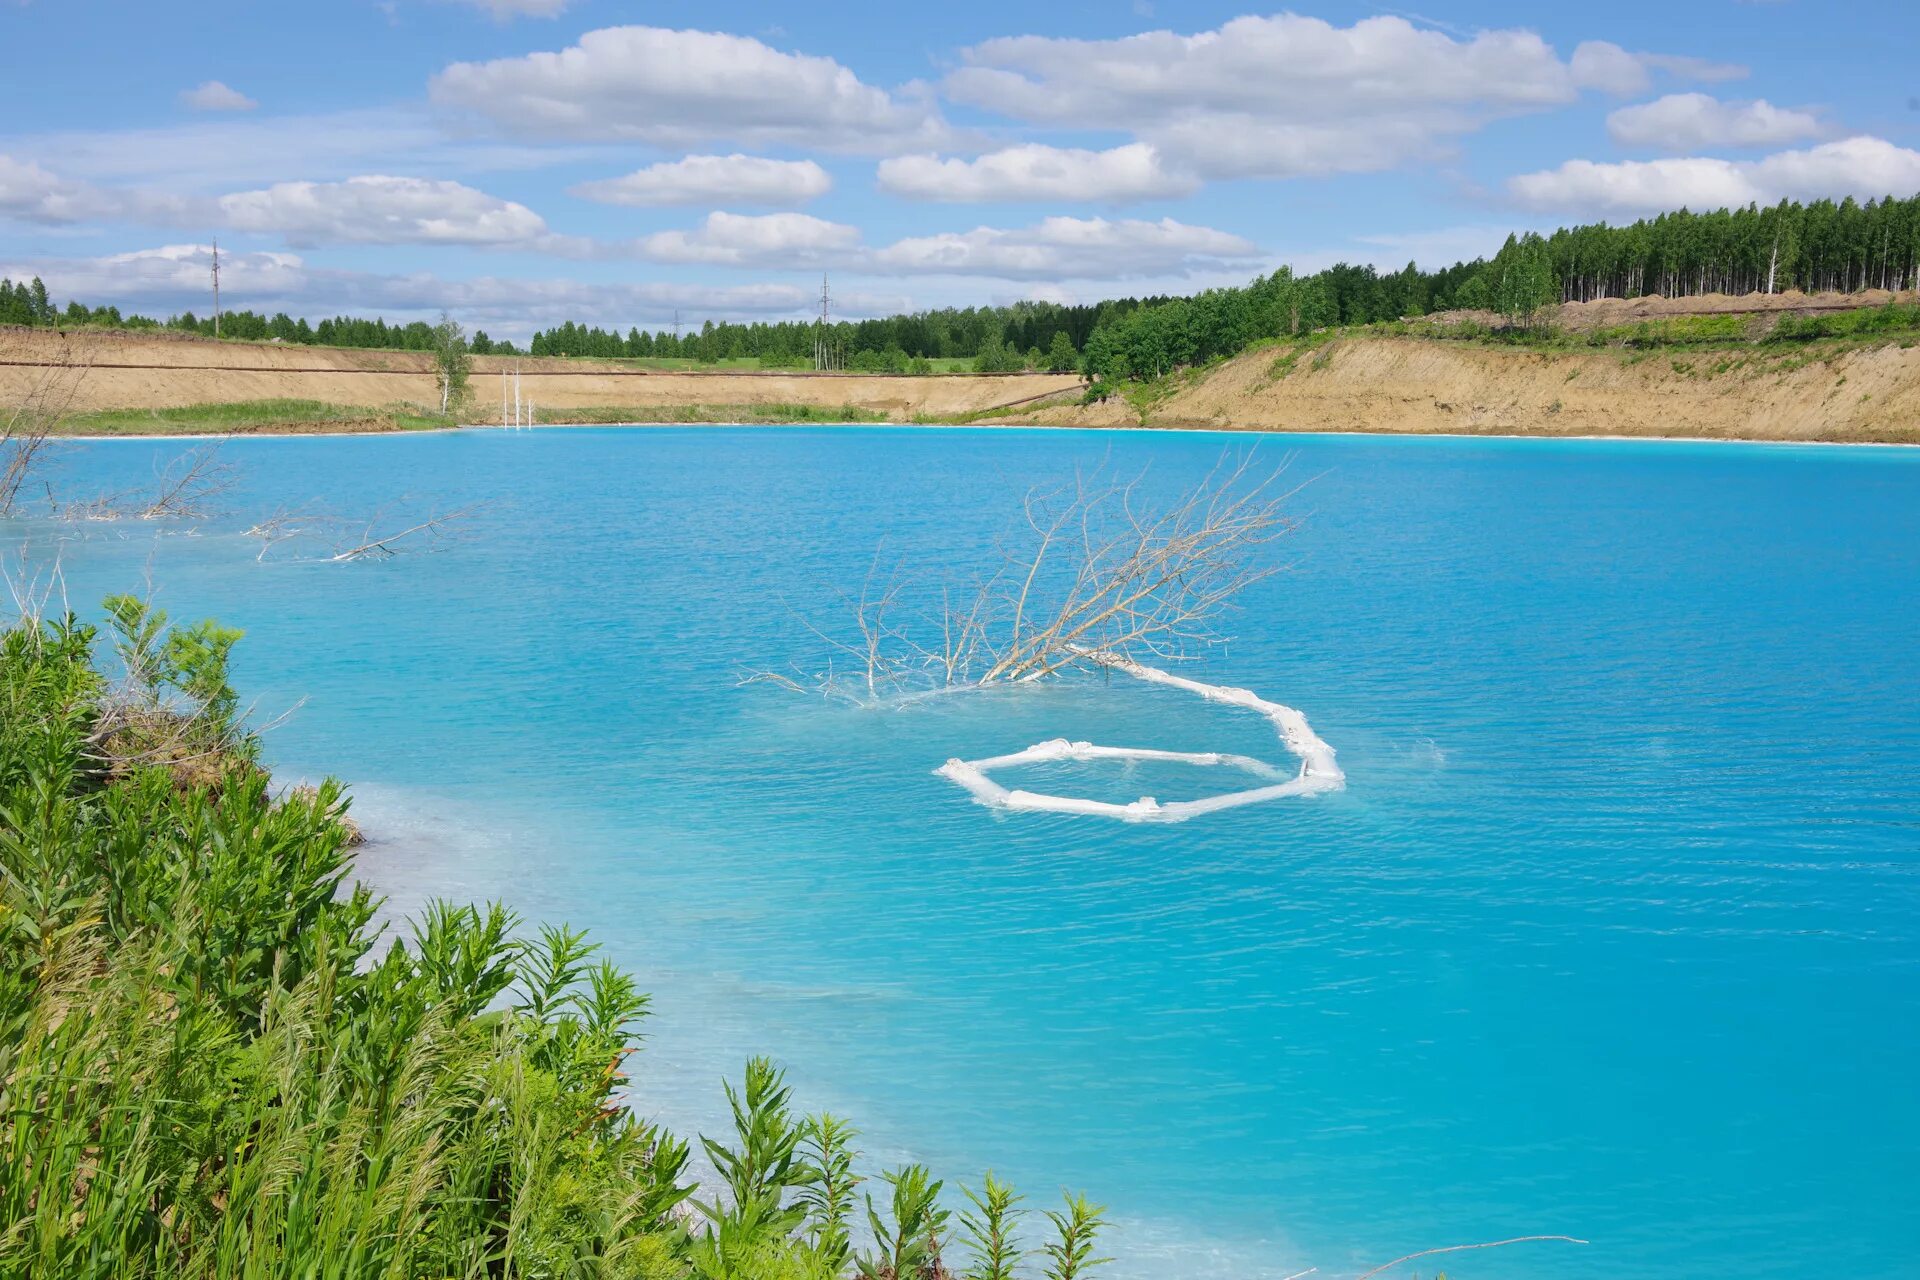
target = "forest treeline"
x: 1846, y: 246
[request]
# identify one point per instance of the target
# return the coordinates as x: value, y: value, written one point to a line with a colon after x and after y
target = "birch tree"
x: 452, y: 362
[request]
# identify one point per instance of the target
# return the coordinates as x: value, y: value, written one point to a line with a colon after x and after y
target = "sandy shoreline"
x: 1238, y: 432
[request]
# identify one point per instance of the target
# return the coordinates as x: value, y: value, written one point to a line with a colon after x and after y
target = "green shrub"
x: 210, y: 1069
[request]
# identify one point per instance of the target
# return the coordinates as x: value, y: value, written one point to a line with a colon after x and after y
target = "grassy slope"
x: 1719, y: 375
x: 265, y: 416
x: 293, y: 417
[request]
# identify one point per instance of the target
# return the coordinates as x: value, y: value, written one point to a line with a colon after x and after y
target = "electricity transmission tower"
x: 216, y: 286
x: 824, y: 355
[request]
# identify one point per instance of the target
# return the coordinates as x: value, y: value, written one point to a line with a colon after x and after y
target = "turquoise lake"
x: 1613, y: 933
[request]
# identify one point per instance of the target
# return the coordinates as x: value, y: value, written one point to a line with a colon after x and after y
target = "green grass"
x: 1836, y: 331
x: 248, y: 416
x: 296, y: 416
x: 712, y: 413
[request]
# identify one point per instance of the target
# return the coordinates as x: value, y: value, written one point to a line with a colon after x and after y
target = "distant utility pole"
x: 216, y: 286
x: 822, y: 344
x: 676, y: 330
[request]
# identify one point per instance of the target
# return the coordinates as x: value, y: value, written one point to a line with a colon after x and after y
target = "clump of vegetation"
x: 252, y: 416
x: 211, y: 1068
x: 714, y: 414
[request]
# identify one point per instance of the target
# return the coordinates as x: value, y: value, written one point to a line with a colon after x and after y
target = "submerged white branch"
x: 1318, y: 769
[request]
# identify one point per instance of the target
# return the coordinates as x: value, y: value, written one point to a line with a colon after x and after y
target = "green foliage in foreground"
x: 209, y: 1069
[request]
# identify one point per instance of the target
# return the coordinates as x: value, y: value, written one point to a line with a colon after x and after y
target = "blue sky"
x: 524, y: 161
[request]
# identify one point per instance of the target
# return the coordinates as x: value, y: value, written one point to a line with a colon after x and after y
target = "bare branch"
x: 189, y: 483
x: 342, y: 539
x: 1461, y: 1248
x: 29, y: 424
x: 381, y: 545
x: 187, y: 487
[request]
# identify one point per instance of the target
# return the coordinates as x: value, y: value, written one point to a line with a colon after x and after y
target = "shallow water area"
x: 1614, y: 931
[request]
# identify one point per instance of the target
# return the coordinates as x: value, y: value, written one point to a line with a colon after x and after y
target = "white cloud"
x: 1861, y: 166
x: 682, y: 88
x: 1288, y: 95
x: 710, y: 180
x: 1605, y: 66
x: 506, y: 10
x: 174, y: 278
x: 178, y: 273
x: 1682, y: 122
x: 32, y: 194
x: 375, y: 209
x: 1432, y: 250
x: 222, y: 152
x: 769, y: 240
x: 215, y: 96
x: 1067, y: 249
x: 1036, y: 172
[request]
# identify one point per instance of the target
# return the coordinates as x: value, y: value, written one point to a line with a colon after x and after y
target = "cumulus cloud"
x: 1289, y: 95
x: 682, y: 88
x: 1682, y: 122
x: 172, y: 278
x: 376, y: 209
x: 1068, y: 248
x: 710, y: 180
x: 1862, y: 166
x: 1605, y: 66
x: 215, y: 96
x: 32, y: 193
x: 1036, y: 172
x: 734, y: 240
x: 506, y: 10
x: 175, y: 274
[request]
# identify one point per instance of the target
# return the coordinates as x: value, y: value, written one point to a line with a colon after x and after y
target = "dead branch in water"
x: 186, y: 489
x: 1137, y: 581
x: 27, y: 426
x: 346, y: 538
x: 1461, y: 1248
x: 379, y: 546
x: 1094, y: 573
x: 189, y: 484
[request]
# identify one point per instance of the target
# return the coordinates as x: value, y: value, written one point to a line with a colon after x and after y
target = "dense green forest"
x: 1822, y: 245
x: 209, y: 1070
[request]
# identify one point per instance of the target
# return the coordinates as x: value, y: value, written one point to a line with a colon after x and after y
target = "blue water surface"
x: 1614, y: 933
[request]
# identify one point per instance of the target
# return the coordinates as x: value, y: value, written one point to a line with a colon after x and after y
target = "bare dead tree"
x: 29, y: 424
x: 1095, y: 573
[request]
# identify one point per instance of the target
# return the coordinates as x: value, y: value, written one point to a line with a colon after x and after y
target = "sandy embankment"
x: 141, y: 371
x: 1426, y: 386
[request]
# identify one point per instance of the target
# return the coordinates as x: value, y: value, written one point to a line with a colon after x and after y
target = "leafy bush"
x: 210, y: 1068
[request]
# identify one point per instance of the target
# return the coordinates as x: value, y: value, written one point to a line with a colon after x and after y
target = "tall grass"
x: 210, y: 1066
x: 251, y: 415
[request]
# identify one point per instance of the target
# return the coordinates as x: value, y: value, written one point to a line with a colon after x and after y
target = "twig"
x: 1461, y: 1248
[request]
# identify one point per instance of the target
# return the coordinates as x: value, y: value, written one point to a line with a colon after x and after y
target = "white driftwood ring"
x: 1318, y: 770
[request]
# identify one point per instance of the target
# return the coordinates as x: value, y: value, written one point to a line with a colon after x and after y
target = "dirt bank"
x: 142, y: 371
x: 1412, y: 385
